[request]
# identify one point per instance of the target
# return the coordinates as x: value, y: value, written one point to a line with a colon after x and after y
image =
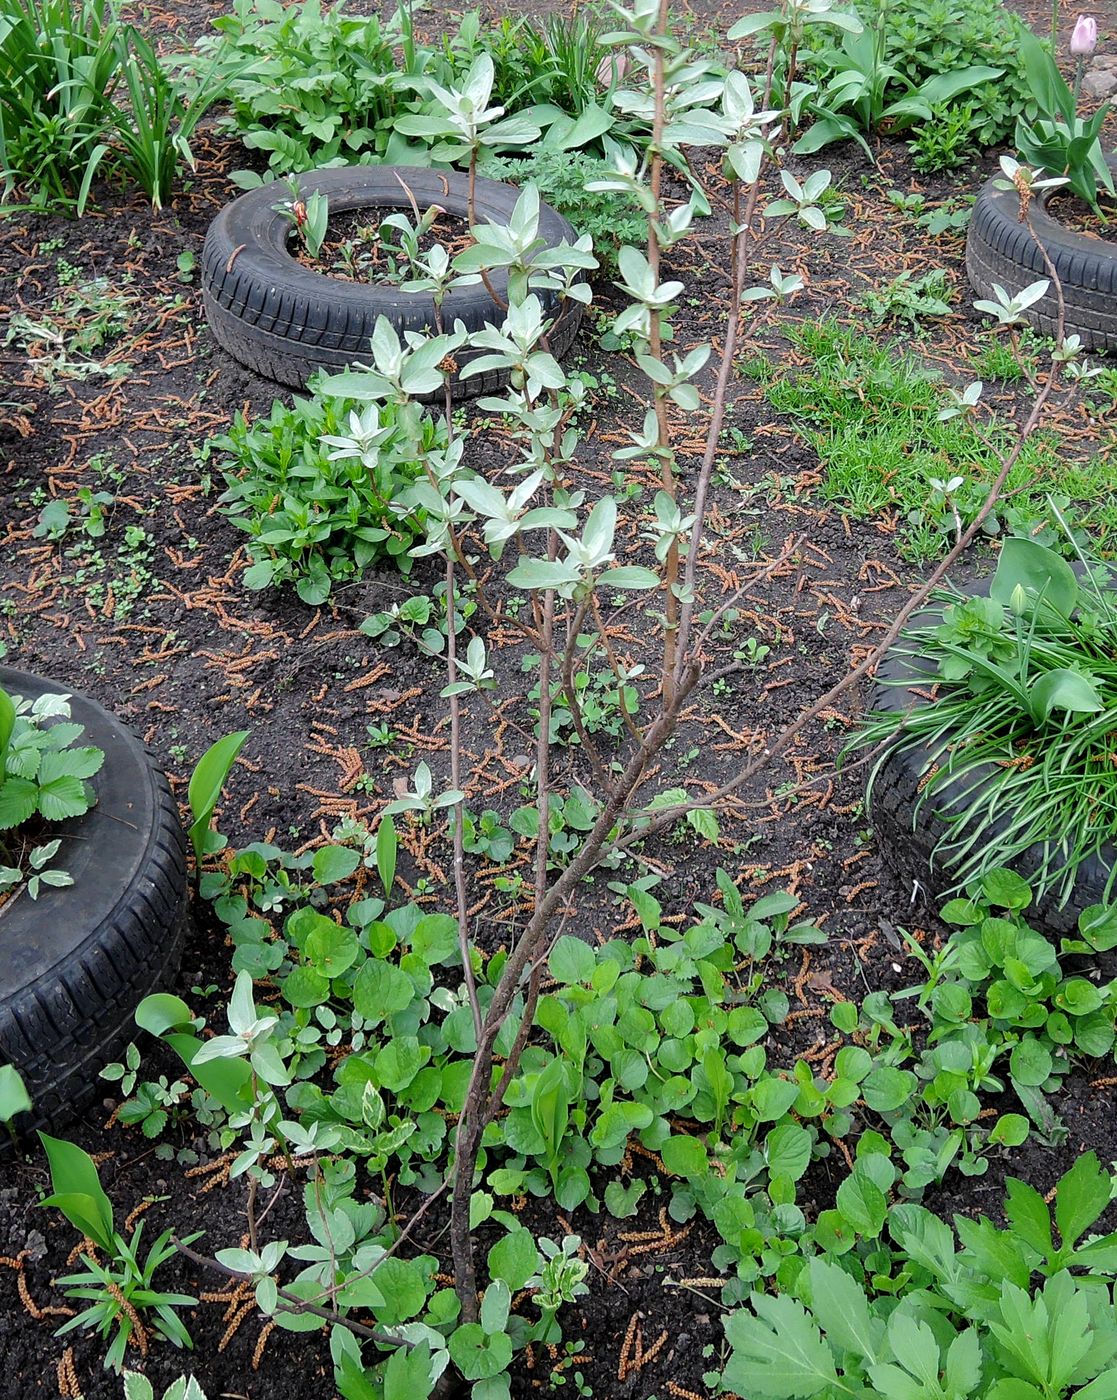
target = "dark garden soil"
x: 1076, y: 214
x: 152, y: 619
x: 355, y: 250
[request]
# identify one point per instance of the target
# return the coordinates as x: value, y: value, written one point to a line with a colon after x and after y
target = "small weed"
x: 83, y: 319
x: 946, y: 141
x: 951, y: 216
x: 909, y: 299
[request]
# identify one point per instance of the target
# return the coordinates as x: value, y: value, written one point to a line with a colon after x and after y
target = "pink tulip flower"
x: 1084, y: 39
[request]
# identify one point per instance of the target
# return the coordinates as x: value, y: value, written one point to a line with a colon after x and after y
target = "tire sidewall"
x: 75, y: 962
x: 286, y: 320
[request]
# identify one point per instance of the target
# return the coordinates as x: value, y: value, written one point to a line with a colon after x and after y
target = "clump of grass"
x: 870, y: 412
x: 1019, y: 731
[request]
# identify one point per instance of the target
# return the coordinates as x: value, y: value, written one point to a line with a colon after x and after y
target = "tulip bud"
x: 1084, y: 39
x: 611, y: 69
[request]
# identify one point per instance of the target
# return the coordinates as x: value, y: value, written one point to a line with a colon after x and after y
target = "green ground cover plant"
x: 374, y: 1038
x: 954, y: 74
x: 317, y: 506
x: 316, y: 85
x: 1017, y: 1313
x: 874, y: 415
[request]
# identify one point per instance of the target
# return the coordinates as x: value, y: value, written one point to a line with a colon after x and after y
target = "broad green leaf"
x: 331, y: 948
x: 1030, y: 1063
x: 787, y: 1149
x: 1010, y: 1129
x: 842, y: 1309
x: 495, y: 1306
x: 387, y: 844
x: 887, y: 1088
x: 19, y: 800
x: 401, y: 1281
x: 334, y: 863
x: 61, y: 796
x: 1028, y: 1214
x: 514, y: 1258
x: 944, y: 86
x: 772, y: 1097
x: 206, y: 783
x: 1104, y: 1388
x: 1066, y: 690
x: 1006, y: 889
x: 1080, y: 1197
x: 303, y: 987
x: 78, y: 1193
x: 778, y: 1351
x: 400, y: 1061
x: 161, y: 1012
x: 571, y: 961
x: 435, y: 939
x: 863, y: 1204
x: 629, y: 576
x: 685, y: 1157
x: 14, y: 1097
x: 309, y: 1290
x: 381, y: 989
x: 478, y: 1355
x: 1039, y: 571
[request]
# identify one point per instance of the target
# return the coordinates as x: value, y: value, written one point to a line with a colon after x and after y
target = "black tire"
x: 75, y: 964
x: 1000, y: 249
x: 285, y: 321
x: 909, y: 830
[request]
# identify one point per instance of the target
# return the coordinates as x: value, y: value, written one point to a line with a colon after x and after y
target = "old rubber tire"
x: 1000, y: 249
x: 75, y: 963
x: 908, y: 831
x: 285, y: 321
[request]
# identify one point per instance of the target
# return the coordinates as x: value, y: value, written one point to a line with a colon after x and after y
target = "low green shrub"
x: 924, y: 38
x: 932, y: 51
x: 1021, y: 723
x: 314, y: 487
x: 316, y: 85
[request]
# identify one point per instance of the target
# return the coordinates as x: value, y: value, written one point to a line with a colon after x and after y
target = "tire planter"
x: 1000, y: 249
x: 75, y: 963
x: 909, y: 832
x: 285, y: 321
